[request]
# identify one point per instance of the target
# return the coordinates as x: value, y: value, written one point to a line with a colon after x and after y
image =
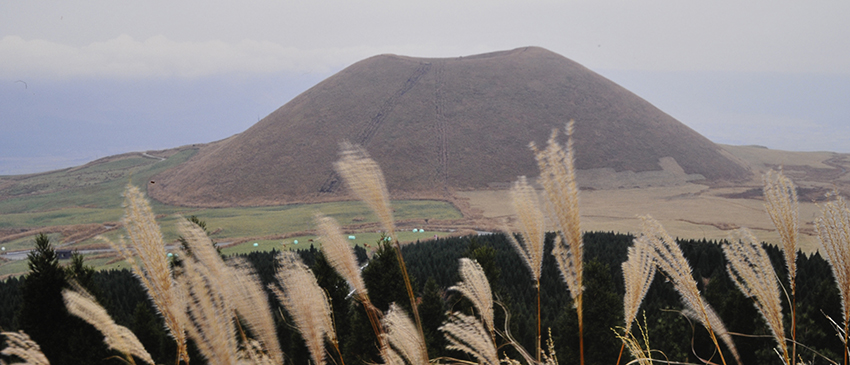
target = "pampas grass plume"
x: 475, y: 287
x: 467, y: 334
x: 532, y: 226
x: 780, y: 201
x: 366, y: 181
x: 307, y: 303
x: 152, y: 267
x: 83, y: 305
x: 246, y: 292
x: 833, y: 229
x: 211, y: 321
x: 558, y: 177
x: 339, y: 253
x: 403, y: 338
x: 19, y: 344
x: 751, y: 270
x: 669, y: 258
x: 238, y: 283
x: 638, y: 273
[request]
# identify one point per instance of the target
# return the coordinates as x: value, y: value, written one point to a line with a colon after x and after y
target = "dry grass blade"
x: 780, y: 200
x: 531, y: 224
x: 154, y: 271
x: 211, y: 322
x: 638, y: 273
x: 307, y: 303
x: 833, y: 229
x: 670, y: 259
x: 403, y: 338
x: 83, y: 305
x: 751, y: 270
x: 713, y: 321
x: 638, y: 347
x: 467, y: 334
x: 366, y: 181
x: 19, y: 344
x: 476, y: 288
x: 339, y: 253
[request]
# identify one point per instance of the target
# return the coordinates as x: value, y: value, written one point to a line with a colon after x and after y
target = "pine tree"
x: 64, y: 339
x: 384, y: 280
x: 42, y: 306
x: 433, y: 314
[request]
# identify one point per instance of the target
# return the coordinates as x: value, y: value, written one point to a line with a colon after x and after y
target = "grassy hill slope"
x: 437, y: 126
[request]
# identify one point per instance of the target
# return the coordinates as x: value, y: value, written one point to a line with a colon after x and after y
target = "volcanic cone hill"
x: 437, y: 126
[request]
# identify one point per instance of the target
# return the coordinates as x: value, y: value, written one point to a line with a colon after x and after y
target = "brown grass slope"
x: 437, y: 126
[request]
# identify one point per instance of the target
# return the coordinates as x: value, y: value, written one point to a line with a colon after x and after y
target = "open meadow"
x: 75, y: 205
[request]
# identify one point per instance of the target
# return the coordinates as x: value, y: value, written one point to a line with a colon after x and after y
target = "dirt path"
x: 439, y: 102
x: 363, y: 138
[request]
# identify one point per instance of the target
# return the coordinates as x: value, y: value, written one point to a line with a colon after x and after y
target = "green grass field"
x: 227, y: 224
x: 231, y: 224
x: 368, y: 239
x: 92, y: 194
x: 94, y: 190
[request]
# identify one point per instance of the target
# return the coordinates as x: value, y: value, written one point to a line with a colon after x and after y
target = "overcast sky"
x: 82, y: 80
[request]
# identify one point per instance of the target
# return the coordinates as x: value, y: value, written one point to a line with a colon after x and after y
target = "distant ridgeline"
x: 433, y: 266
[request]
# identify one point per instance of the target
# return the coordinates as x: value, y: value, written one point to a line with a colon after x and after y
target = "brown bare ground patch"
x: 822, y: 171
x: 688, y: 211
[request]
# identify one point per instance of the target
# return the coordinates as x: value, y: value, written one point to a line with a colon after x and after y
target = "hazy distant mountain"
x: 441, y: 125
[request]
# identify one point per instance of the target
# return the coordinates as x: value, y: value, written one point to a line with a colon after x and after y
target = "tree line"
x: 33, y: 302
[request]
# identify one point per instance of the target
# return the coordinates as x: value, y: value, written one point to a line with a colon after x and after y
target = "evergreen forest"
x: 33, y: 303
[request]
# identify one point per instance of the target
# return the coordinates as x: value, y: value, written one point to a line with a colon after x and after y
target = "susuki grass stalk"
x: 404, y: 340
x: 476, y: 288
x: 242, y: 295
x: 533, y: 231
x: 833, y: 229
x: 19, y: 344
x: 751, y: 270
x: 307, y: 303
x: 152, y: 267
x: 558, y: 177
x: 83, y: 305
x: 638, y: 273
x: 252, y: 304
x: 341, y: 257
x: 211, y: 323
x: 467, y: 334
x: 669, y: 258
x: 780, y: 201
x: 365, y: 179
